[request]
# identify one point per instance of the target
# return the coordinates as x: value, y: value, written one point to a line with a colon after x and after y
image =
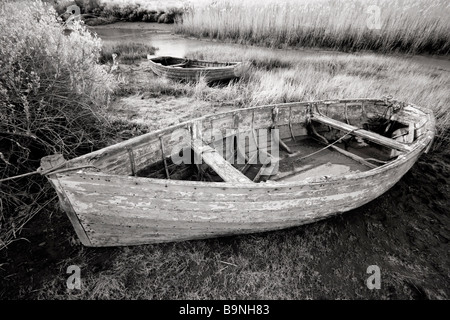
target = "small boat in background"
x: 326, y: 157
x: 190, y: 69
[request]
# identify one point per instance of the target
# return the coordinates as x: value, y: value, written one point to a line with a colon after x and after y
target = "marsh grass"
x: 412, y: 26
x: 127, y: 52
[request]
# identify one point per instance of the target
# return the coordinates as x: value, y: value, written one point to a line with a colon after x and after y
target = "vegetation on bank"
x: 410, y: 26
x: 52, y: 92
x: 96, y: 12
x: 125, y: 52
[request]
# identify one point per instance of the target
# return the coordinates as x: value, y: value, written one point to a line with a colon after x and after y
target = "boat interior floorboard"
x: 326, y: 163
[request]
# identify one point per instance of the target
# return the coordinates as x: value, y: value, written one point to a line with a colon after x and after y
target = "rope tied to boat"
x: 309, y: 124
x: 43, y: 172
x: 324, y: 148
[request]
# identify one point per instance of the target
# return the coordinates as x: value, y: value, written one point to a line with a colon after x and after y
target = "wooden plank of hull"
x: 202, y: 224
x: 163, y: 228
x: 195, y: 74
x: 106, y: 234
x: 374, y: 137
x: 215, y: 208
x: 106, y: 185
x: 67, y: 207
x: 118, y: 218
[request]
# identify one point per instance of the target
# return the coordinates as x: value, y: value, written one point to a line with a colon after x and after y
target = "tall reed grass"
x: 412, y: 26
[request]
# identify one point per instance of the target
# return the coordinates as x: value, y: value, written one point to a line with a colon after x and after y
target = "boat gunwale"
x: 417, y: 146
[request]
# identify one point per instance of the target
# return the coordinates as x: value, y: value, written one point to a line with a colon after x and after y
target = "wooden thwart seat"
x: 221, y: 166
x: 371, y: 136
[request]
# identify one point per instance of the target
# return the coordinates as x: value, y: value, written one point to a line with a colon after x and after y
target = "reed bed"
x: 410, y: 26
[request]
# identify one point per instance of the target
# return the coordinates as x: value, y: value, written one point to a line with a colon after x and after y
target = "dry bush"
x: 52, y: 91
x: 287, y: 76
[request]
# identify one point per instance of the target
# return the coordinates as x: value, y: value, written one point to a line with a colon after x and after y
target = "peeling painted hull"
x: 113, y: 208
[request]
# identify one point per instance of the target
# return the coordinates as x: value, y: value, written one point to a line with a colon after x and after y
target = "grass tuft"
x: 126, y: 52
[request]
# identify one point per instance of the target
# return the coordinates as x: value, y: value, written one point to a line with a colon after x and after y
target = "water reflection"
x: 168, y: 44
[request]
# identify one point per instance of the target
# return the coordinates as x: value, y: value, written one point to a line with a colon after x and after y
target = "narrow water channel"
x: 163, y: 37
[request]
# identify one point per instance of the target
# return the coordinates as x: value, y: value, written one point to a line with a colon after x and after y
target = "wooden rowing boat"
x: 190, y: 69
x: 321, y: 158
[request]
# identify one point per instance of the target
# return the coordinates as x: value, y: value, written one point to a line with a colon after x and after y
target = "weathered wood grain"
x: 222, y: 167
x: 67, y: 207
x: 125, y: 219
x: 110, y: 207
